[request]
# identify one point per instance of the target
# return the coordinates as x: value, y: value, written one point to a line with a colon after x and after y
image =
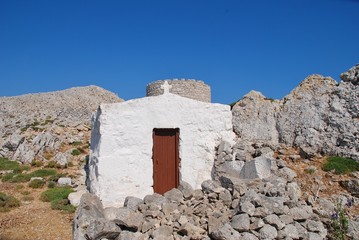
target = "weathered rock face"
x: 254, y: 117
x: 35, y: 126
x: 319, y: 116
x: 352, y: 75
x: 302, y: 120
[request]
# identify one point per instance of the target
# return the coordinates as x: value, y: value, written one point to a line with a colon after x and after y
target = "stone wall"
x: 189, y: 88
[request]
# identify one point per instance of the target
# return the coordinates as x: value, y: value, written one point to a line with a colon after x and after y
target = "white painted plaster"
x: 121, y: 143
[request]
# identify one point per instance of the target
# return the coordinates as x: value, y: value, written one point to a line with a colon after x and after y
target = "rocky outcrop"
x: 319, y: 116
x: 254, y: 118
x: 37, y: 126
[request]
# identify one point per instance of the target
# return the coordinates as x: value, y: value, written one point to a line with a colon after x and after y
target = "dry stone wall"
x: 189, y: 88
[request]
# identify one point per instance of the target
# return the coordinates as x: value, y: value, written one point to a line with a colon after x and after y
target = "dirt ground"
x: 33, y: 219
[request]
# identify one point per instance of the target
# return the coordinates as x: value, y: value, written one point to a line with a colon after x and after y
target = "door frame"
x: 177, y: 159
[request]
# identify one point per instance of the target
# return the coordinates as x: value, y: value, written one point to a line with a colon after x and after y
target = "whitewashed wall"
x: 121, y: 143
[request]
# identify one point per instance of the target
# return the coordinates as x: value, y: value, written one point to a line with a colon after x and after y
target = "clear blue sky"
x: 234, y: 46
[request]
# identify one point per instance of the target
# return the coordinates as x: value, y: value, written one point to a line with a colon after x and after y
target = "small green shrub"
x: 56, y: 193
x: 36, y: 183
x: 70, y: 164
x: 6, y: 164
x: 21, y: 177
x: 58, y: 198
x: 51, y: 184
x: 43, y: 173
x: 62, y: 204
x: 75, y: 152
x: 37, y: 164
x: 7, y: 177
x: 19, y: 186
x: 25, y: 193
x: 8, y: 202
x: 76, y: 143
x: 51, y: 164
x: 16, y: 178
x: 55, y: 178
x: 341, y: 165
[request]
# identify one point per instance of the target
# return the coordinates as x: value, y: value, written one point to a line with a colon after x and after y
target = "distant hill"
x: 64, y: 107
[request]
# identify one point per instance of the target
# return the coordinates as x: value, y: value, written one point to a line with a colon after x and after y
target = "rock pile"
x: 319, y: 116
x: 229, y: 209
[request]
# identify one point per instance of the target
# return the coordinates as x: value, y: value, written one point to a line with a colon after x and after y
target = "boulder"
x: 186, y: 189
x: 89, y: 210
x: 64, y: 181
x: 240, y: 222
x: 61, y: 158
x: 259, y: 167
x: 254, y: 118
x: 268, y: 232
x: 75, y: 197
x: 124, y: 217
x: 132, y: 202
x: 226, y: 232
x: 174, y: 195
x: 102, y: 228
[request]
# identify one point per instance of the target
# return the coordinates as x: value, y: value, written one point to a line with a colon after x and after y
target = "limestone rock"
x: 254, y: 118
x: 127, y: 235
x: 102, y: 228
x: 162, y: 231
x: 225, y: 233
x: 124, y: 217
x: 351, y: 186
x: 352, y: 75
x: 268, y: 232
x: 240, y: 222
x: 174, y: 195
x: 24, y: 153
x: 89, y: 210
x: 257, y: 168
x: 132, y: 202
x: 289, y: 231
x: 274, y: 221
x: 186, y: 189
x: 12, y: 142
x: 208, y: 186
x: 75, y: 197
x: 64, y: 181
x: 61, y: 158
x: 155, y: 198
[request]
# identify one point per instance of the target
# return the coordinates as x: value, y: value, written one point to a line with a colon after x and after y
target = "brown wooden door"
x: 165, y: 159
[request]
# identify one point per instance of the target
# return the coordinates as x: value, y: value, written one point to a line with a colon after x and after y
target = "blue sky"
x: 234, y: 46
